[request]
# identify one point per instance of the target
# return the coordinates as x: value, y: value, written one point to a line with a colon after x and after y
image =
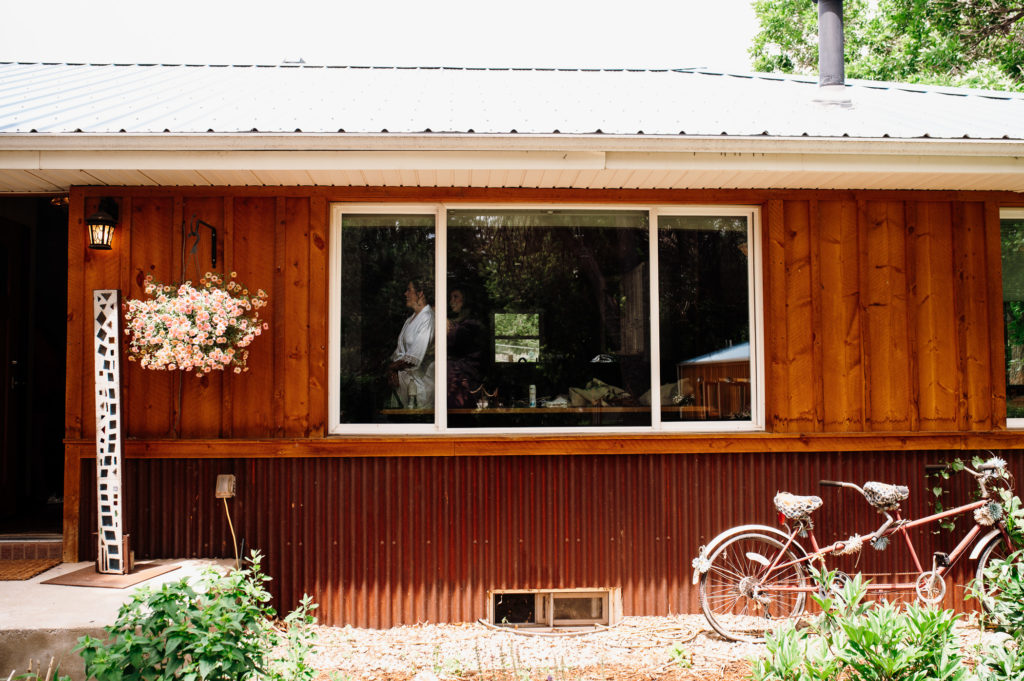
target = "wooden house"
x: 603, y: 227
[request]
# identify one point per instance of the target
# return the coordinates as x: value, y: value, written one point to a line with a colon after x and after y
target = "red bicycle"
x: 754, y: 577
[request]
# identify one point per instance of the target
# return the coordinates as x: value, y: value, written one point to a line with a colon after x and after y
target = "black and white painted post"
x: 113, y: 555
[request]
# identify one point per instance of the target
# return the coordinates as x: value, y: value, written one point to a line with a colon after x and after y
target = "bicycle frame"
x: 899, y: 526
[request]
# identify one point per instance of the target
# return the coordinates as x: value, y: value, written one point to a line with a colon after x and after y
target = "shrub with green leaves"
x: 217, y: 628
x: 1005, y: 600
x: 1013, y: 516
x: 852, y: 639
x: 1001, y: 662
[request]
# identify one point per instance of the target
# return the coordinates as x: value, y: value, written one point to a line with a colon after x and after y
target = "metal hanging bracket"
x: 194, y: 232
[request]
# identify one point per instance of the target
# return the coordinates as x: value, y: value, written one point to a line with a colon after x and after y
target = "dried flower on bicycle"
x: 194, y: 329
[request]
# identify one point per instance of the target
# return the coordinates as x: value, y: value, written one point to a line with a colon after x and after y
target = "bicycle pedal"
x: 940, y: 559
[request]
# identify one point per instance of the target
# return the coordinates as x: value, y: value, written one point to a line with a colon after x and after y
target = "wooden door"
x: 13, y: 354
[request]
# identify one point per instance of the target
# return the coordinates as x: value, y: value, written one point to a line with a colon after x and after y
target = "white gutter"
x: 508, y: 160
x: 237, y: 142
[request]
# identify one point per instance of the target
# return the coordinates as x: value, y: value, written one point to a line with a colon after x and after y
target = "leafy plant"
x: 1001, y: 662
x: 1004, y: 579
x: 853, y: 639
x: 219, y: 628
x: 1004, y: 599
x: 1013, y: 516
x: 681, y: 656
x: 954, y: 466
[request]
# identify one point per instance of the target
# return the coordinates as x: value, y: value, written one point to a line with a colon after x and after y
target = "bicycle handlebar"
x: 831, y: 483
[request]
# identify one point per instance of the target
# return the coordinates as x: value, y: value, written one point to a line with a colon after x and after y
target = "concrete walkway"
x: 39, y: 621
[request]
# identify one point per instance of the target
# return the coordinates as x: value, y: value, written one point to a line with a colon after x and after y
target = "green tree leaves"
x: 968, y: 43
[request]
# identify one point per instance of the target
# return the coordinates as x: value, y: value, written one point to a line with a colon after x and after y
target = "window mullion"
x: 441, y: 320
x: 756, y: 316
x: 654, y: 322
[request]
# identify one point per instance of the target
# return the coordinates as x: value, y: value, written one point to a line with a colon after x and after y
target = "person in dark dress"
x: 465, y: 351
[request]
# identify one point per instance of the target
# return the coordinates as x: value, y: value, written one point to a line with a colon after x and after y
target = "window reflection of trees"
x: 702, y: 285
x: 379, y: 256
x: 582, y: 274
x: 703, y: 308
x: 1012, y: 238
x: 578, y: 271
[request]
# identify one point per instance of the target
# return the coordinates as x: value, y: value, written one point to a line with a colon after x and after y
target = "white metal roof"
x: 65, y: 98
x: 63, y: 124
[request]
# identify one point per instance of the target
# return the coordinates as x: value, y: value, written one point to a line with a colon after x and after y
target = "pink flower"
x: 192, y: 329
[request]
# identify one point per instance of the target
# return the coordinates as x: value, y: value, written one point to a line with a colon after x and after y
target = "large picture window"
x: 500, y: 319
x: 1011, y: 232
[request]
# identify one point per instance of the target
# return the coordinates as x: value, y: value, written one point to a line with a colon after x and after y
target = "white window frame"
x: 335, y: 427
x: 755, y: 315
x: 1010, y: 214
x: 544, y: 606
x: 440, y: 211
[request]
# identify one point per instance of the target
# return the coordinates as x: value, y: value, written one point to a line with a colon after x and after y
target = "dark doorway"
x: 33, y: 343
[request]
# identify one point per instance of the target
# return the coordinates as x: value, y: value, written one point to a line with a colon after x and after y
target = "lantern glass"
x: 101, y: 227
x: 100, y: 235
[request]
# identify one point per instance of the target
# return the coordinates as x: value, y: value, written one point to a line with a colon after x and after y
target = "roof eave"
x: 341, y: 141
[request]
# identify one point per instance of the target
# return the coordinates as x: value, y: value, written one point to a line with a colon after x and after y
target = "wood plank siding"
x: 882, y: 323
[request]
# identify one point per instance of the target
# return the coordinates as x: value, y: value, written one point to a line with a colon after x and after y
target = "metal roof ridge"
x: 802, y: 79
x: 395, y: 67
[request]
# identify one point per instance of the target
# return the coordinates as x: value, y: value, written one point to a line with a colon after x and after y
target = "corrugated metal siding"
x: 386, y: 541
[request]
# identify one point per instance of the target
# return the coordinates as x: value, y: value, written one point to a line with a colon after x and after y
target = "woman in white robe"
x: 411, y: 371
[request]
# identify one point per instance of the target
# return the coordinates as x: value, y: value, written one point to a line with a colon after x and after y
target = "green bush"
x: 852, y: 639
x: 219, y: 628
x: 1005, y: 579
x: 1005, y: 604
x: 1001, y: 662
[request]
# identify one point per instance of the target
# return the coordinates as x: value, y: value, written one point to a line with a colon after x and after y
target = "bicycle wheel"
x: 996, y: 549
x: 738, y: 595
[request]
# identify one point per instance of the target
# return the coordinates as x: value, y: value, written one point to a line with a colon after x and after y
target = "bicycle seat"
x: 796, y: 508
x: 885, y: 497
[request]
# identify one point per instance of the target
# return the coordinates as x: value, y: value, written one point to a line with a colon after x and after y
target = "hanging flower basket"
x: 194, y: 329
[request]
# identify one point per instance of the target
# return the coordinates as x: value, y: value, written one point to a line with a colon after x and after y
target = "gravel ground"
x: 638, y: 648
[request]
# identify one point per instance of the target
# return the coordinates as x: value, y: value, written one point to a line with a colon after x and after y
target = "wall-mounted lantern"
x: 101, y: 224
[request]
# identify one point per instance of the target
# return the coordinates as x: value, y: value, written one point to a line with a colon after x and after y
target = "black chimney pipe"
x: 831, y: 70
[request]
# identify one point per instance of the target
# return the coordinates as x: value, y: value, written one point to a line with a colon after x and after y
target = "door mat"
x: 24, y: 568
x: 88, y: 576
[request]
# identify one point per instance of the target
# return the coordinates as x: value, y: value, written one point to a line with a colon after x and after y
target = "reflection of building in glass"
x: 516, y: 337
x: 717, y: 384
